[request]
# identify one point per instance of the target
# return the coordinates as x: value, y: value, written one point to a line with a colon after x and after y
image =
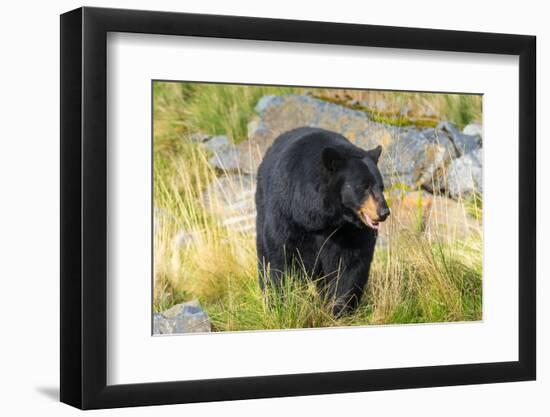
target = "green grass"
x: 214, y: 109
x: 474, y: 206
x: 457, y: 108
x: 416, y: 278
x: 463, y: 109
x: 442, y: 287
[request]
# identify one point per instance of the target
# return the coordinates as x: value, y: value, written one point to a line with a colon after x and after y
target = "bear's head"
x: 357, y: 183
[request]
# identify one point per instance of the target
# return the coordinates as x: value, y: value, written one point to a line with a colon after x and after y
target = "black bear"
x: 319, y: 201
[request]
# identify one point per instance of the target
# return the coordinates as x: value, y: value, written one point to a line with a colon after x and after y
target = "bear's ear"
x: 375, y: 153
x: 332, y: 160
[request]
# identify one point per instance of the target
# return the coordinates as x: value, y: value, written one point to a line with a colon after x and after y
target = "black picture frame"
x: 84, y: 207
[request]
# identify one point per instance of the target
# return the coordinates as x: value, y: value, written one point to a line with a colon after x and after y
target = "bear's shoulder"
x: 302, y: 147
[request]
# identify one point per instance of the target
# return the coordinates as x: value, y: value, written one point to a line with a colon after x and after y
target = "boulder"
x: 415, y: 157
x: 225, y: 159
x: 199, y: 137
x: 216, y: 142
x: 225, y: 155
x: 464, y: 143
x: 412, y: 156
x: 279, y: 114
x: 473, y: 129
x: 253, y: 126
x: 265, y: 102
x: 230, y: 199
x: 186, y: 317
x: 465, y: 174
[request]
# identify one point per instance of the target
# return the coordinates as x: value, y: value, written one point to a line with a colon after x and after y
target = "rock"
x: 230, y: 198
x: 415, y: 157
x: 265, y: 102
x: 160, y: 326
x: 199, y: 137
x: 217, y: 142
x: 465, y: 174
x: 473, y: 129
x: 186, y: 317
x: 376, y: 134
x: 411, y: 155
x: 225, y: 158
x: 448, y: 127
x: 464, y: 143
x: 279, y: 114
x: 225, y: 155
x: 252, y: 127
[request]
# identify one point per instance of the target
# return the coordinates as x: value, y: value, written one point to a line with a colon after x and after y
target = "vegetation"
x: 415, y: 278
x: 408, y: 108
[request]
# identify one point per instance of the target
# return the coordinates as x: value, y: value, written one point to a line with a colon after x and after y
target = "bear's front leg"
x: 347, y: 288
x: 346, y: 258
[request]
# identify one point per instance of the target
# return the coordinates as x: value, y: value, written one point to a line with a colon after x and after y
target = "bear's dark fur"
x: 319, y: 200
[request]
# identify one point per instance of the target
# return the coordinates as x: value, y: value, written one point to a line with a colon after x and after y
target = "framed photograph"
x: 258, y: 208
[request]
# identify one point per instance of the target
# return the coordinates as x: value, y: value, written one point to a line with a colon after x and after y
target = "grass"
x: 214, y: 109
x: 408, y: 108
x: 415, y: 278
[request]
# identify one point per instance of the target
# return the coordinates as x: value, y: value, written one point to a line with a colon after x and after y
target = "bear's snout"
x: 384, y: 212
x: 376, y: 209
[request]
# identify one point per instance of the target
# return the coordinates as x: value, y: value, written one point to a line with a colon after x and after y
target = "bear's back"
x: 300, y: 150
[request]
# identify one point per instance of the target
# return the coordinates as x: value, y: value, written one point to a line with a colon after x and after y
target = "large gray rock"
x: 411, y: 156
x: 216, y: 142
x: 253, y: 126
x: 186, y: 317
x: 226, y: 159
x: 267, y: 101
x: 473, y: 129
x: 279, y: 114
x: 464, y: 143
x: 230, y: 199
x: 199, y: 137
x: 416, y: 157
x: 465, y: 174
x: 225, y: 155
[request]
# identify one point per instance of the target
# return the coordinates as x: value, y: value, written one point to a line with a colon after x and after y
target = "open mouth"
x: 373, y: 224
